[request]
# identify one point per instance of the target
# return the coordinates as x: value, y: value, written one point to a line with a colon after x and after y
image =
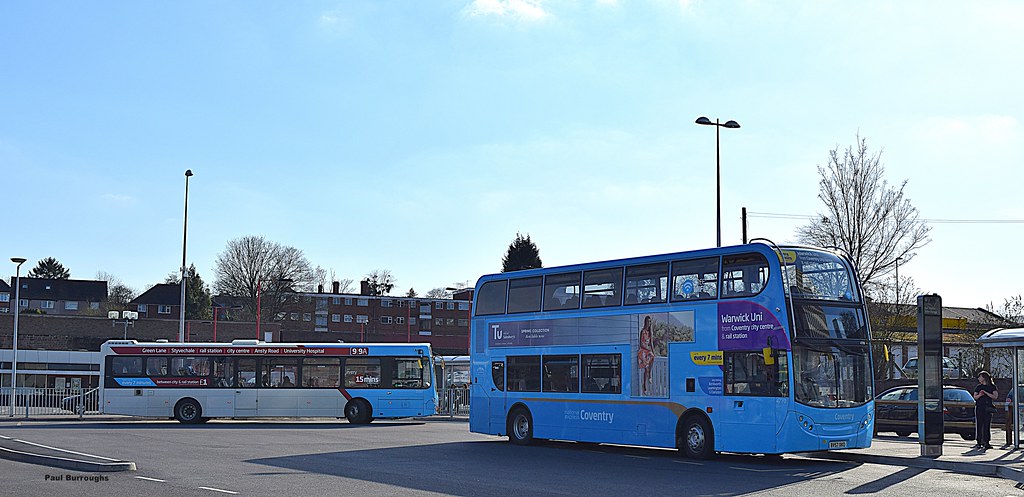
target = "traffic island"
x: 33, y: 453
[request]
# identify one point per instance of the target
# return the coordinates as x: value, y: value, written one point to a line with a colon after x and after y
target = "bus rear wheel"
x: 520, y: 427
x: 188, y: 411
x: 357, y: 411
x: 696, y: 439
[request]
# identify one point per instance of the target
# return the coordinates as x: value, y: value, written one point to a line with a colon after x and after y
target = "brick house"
x: 162, y: 301
x: 5, y: 297
x: 60, y: 297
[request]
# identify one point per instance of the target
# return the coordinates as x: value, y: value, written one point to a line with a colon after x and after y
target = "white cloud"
x: 519, y: 10
x: 118, y: 198
x: 334, y: 21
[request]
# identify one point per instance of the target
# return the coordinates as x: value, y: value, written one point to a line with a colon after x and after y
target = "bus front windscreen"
x: 831, y: 374
x: 818, y: 275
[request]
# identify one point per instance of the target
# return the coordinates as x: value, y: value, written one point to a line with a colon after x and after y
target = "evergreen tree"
x: 522, y: 254
x: 49, y: 268
x: 197, y: 294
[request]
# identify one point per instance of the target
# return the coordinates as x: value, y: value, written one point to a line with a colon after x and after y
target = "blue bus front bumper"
x: 808, y: 429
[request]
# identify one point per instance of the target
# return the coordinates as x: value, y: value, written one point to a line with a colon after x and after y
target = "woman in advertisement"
x: 645, y: 356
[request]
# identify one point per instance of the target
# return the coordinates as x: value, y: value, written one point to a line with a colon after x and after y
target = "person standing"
x: 984, y: 394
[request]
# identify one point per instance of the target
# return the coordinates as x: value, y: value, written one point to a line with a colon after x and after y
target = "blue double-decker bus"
x: 754, y: 348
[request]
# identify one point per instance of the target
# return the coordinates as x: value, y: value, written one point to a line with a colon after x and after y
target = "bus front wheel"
x: 696, y: 439
x: 188, y: 411
x: 357, y: 411
x: 520, y: 427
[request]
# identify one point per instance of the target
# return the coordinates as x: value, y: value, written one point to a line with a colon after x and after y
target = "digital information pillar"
x: 929, y: 374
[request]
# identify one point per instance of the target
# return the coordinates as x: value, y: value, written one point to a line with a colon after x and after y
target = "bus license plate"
x: 841, y: 444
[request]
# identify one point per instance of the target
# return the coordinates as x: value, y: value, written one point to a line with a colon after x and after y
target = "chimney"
x: 364, y: 287
x: 320, y: 288
x: 336, y: 286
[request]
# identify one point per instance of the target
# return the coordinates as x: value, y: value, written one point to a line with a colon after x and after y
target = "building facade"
x: 444, y: 323
x: 55, y: 296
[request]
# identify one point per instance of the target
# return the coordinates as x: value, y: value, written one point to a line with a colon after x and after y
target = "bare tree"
x: 344, y: 285
x: 1012, y: 309
x: 320, y: 277
x: 118, y: 293
x: 892, y: 316
x: 380, y: 281
x: 865, y: 216
x: 252, y: 262
x: 437, y: 293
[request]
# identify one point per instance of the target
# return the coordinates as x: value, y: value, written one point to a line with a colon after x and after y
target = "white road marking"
x: 150, y: 479
x: 218, y: 490
x: 758, y: 470
x: 637, y: 457
x: 688, y: 462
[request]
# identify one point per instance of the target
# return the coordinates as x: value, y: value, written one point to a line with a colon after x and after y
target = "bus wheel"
x: 358, y: 412
x: 520, y: 427
x: 696, y: 440
x: 188, y: 411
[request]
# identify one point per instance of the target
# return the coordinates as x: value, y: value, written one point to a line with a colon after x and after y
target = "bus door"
x: 246, y: 388
x: 496, y: 397
x: 749, y: 406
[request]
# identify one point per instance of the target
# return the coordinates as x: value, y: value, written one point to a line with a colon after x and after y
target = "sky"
x: 421, y: 137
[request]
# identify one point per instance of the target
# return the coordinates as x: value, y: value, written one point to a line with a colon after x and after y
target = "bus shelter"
x: 1011, y: 339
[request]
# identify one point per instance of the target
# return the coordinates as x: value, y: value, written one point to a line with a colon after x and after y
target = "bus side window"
x: 498, y: 374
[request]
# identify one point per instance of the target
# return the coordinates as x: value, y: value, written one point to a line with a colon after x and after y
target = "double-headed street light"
x: 17, y: 307
x: 184, y: 241
x: 718, y: 171
x: 128, y: 318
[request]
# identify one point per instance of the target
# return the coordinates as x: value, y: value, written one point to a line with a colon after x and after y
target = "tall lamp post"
x: 17, y: 307
x: 718, y: 171
x: 184, y: 242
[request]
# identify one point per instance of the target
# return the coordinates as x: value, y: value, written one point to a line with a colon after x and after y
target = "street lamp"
x: 184, y: 241
x: 127, y: 319
x: 718, y: 170
x: 17, y: 308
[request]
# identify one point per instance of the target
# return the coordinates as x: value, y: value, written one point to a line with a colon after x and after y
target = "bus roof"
x: 759, y: 247
x: 208, y: 347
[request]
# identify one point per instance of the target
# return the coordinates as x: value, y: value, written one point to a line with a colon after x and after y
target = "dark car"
x: 896, y: 411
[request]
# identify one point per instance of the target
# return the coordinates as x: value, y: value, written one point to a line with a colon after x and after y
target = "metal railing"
x: 453, y: 401
x: 31, y: 401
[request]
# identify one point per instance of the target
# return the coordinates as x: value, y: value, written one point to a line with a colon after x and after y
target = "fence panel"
x: 454, y: 401
x: 30, y: 401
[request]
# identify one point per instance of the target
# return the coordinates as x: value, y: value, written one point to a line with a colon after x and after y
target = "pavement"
x: 958, y: 456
